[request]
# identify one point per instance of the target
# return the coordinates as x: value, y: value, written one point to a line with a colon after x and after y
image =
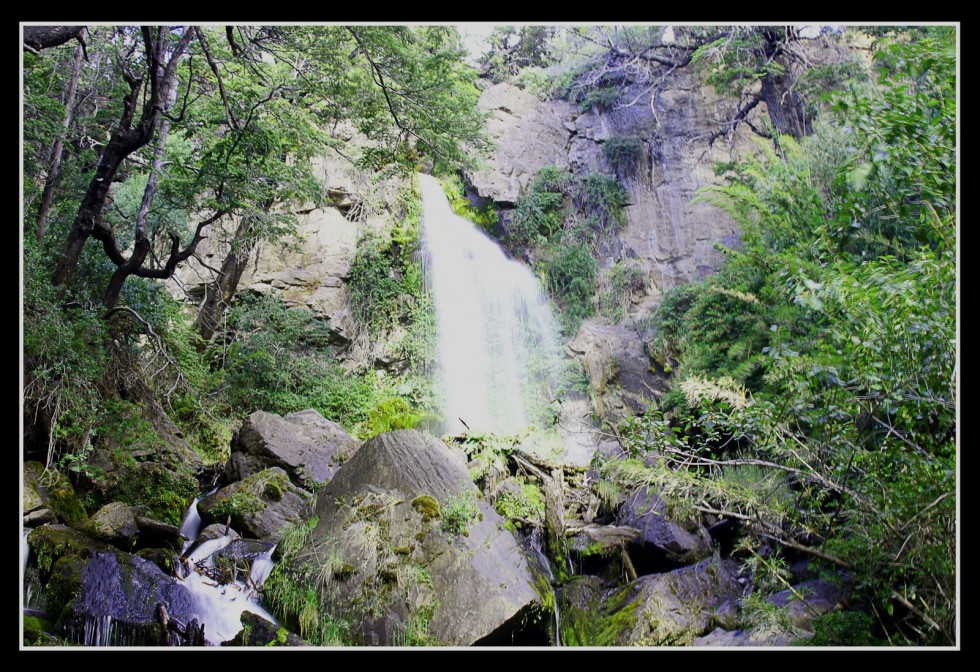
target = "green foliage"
x: 539, y: 213
x: 561, y: 218
x: 570, y: 272
x: 526, y: 504
x: 485, y: 216
x: 843, y: 628
x: 390, y: 414
x: 279, y: 363
x: 838, y: 315
x: 373, y: 288
x: 625, y: 155
x: 602, y: 198
x: 600, y: 99
x: 459, y: 512
x: 514, y: 49
x: 625, y: 279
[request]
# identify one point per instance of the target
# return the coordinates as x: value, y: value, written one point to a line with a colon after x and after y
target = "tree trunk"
x: 121, y: 145
x: 56, y: 152
x: 125, y: 140
x: 143, y: 244
x: 43, y: 37
x: 786, y: 107
x: 220, y: 292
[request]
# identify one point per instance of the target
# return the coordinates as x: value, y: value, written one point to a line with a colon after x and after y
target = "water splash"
x: 219, y: 606
x: 497, y: 346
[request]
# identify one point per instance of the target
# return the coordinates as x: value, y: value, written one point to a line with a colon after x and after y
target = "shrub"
x: 600, y: 99
x: 603, y: 198
x: 625, y: 155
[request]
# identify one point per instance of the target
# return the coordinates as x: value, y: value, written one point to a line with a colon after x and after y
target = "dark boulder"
x: 662, y: 543
x: 303, y: 444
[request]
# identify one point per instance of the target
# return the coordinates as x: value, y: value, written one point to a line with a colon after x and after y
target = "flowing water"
x: 498, y: 351
x: 220, y: 606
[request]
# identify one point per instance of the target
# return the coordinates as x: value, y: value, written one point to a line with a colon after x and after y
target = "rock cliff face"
x: 670, y: 237
x: 673, y: 239
x: 310, y: 272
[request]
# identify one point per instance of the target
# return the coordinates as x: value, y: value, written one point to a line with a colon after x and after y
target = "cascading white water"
x: 497, y: 345
x: 220, y: 606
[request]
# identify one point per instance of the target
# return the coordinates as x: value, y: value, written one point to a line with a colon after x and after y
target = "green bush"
x: 279, y: 363
x: 625, y: 279
x: 570, y: 275
x: 625, y: 155
x: 373, y: 288
x: 600, y: 99
x: 603, y: 198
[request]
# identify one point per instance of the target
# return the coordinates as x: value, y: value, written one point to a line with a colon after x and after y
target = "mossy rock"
x: 669, y: 609
x: 52, y: 542
x: 37, y: 632
x: 164, y: 558
x: 256, y: 631
x: 114, y: 523
x: 260, y: 505
x: 52, y: 489
x: 163, y: 491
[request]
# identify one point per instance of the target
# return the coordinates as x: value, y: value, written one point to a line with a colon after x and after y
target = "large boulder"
x: 672, y: 608
x: 408, y: 551
x: 303, y: 444
x: 661, y: 543
x: 261, y: 506
x: 115, y: 600
x: 98, y: 595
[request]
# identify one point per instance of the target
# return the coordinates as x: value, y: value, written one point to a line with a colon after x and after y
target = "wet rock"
x: 39, y: 517
x: 261, y: 505
x: 672, y: 608
x: 661, y: 543
x: 154, y: 532
x: 164, y: 558
x: 215, y: 531
x: 452, y: 574
x: 114, y: 600
x: 303, y: 444
x: 257, y: 631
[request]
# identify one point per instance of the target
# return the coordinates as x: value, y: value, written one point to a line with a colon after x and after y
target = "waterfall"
x: 497, y: 353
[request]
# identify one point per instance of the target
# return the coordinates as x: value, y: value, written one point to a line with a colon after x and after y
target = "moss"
x: 50, y: 543
x: 542, y: 586
x: 459, y: 513
x: 166, y: 493
x: 36, y: 628
x: 237, y: 504
x: 427, y: 506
